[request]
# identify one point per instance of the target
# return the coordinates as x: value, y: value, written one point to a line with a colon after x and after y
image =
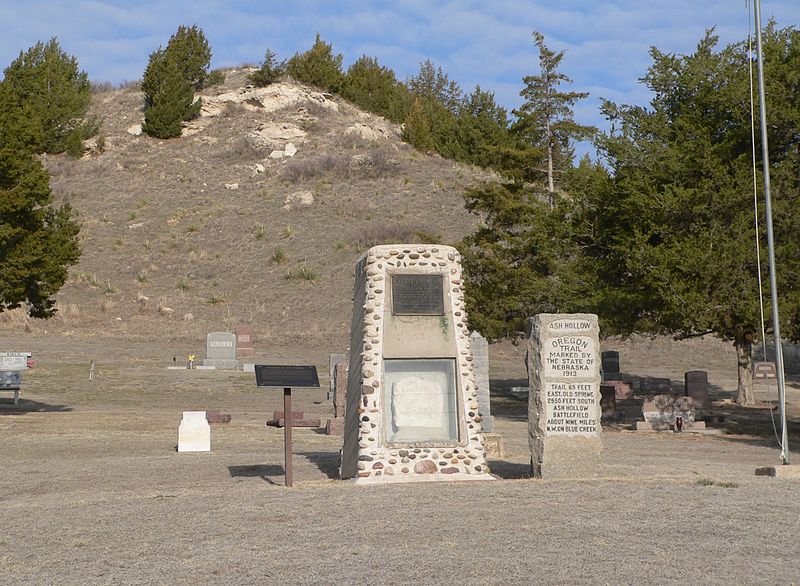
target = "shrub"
x: 269, y: 72
x: 318, y: 67
x: 216, y: 77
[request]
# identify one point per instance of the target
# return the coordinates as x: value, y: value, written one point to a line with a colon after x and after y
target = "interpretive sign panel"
x: 564, y: 402
x: 417, y: 295
x: 279, y: 376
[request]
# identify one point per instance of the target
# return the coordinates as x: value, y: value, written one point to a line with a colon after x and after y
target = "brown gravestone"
x: 608, y: 401
x: 335, y: 426
x: 244, y: 341
x: 764, y: 371
x: 696, y: 382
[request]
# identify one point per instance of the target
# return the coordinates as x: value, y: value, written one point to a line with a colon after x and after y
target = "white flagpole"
x: 776, y: 328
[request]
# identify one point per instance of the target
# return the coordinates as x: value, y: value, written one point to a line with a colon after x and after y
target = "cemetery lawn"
x: 93, y: 492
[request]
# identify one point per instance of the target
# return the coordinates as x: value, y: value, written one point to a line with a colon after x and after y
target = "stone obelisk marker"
x: 564, y: 401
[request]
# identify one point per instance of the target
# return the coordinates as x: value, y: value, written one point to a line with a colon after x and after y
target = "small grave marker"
x: 194, y: 432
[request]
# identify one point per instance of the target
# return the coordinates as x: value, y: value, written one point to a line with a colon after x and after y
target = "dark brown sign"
x: 279, y: 376
x: 764, y: 370
x: 417, y: 295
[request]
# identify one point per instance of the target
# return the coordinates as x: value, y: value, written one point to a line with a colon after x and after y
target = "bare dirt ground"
x: 93, y: 492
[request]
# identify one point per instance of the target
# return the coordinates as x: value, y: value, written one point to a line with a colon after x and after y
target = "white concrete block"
x: 194, y: 432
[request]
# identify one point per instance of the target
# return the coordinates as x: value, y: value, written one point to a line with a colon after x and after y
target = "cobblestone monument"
x: 412, y: 408
x: 564, y: 402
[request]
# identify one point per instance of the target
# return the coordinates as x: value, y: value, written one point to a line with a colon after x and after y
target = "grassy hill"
x: 196, y: 234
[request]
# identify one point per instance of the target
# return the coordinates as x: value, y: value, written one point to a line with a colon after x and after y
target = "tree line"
x: 658, y: 238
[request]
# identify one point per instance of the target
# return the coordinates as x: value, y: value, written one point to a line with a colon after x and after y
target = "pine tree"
x: 45, y: 86
x: 318, y: 66
x: 37, y: 241
x: 433, y: 84
x: 168, y: 97
x: 545, y: 121
x: 376, y: 89
x: 271, y: 70
x: 190, y: 50
x: 668, y: 236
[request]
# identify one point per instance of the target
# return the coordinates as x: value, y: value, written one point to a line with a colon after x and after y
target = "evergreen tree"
x: 45, y: 87
x: 482, y: 129
x: 318, y: 66
x: 417, y: 128
x: 271, y: 70
x: 189, y: 49
x: 37, y: 241
x: 670, y: 231
x: 432, y: 83
x: 168, y: 97
x: 545, y: 121
x: 376, y: 89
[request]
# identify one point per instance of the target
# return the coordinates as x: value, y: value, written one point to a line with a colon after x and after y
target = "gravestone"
x: 333, y: 360
x: 608, y: 402
x: 14, y: 360
x: 696, y: 385
x: 764, y: 371
x: 564, y: 430
x: 221, y: 350
x: 298, y: 419
x: 412, y: 403
x: 609, y: 364
x: 661, y: 411
x: 622, y: 389
x: 244, y: 341
x: 335, y: 426
x: 480, y: 357
x: 194, y: 432
x: 655, y: 385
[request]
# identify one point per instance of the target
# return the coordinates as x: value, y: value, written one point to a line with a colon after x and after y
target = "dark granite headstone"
x: 696, y: 382
x: 610, y: 361
x: 655, y: 385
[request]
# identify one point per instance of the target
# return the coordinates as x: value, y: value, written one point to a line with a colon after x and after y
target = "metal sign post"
x: 286, y: 377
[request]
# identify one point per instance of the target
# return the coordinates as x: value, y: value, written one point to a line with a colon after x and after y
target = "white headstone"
x: 194, y: 432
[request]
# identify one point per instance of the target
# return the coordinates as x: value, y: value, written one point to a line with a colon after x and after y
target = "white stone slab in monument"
x: 564, y: 401
x: 194, y: 432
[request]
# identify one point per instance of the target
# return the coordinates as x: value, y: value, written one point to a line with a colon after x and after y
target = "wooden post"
x: 287, y: 434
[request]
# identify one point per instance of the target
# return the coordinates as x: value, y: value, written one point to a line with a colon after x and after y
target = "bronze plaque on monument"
x: 417, y: 295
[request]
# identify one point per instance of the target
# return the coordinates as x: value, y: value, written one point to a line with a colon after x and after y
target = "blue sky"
x: 487, y: 43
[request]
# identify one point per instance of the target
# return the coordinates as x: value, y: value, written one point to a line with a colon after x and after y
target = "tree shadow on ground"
x: 7, y: 407
x: 326, y: 462
x: 510, y: 470
x: 264, y: 471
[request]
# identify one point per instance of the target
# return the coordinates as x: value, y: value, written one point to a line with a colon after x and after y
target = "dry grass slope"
x: 191, y: 235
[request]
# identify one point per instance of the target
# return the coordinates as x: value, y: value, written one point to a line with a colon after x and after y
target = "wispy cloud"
x: 475, y: 42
